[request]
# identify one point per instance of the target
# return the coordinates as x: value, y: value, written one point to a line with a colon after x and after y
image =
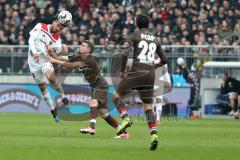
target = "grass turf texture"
x: 37, y: 137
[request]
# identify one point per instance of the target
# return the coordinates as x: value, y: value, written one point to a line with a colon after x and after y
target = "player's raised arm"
x: 126, y: 49
x: 34, y: 33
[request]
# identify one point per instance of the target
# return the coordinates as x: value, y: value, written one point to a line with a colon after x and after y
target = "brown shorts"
x: 140, y: 80
x: 99, y: 91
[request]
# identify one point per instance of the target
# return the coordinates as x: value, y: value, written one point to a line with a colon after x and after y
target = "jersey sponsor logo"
x: 147, y: 37
x: 13, y: 96
x: 35, y: 30
x: 43, y: 41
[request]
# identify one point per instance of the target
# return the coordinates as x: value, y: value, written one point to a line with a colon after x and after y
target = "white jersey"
x: 40, y: 37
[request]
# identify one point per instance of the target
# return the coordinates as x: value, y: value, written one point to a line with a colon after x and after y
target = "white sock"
x: 158, y: 111
x: 48, y: 99
x: 59, y: 89
x: 93, y: 121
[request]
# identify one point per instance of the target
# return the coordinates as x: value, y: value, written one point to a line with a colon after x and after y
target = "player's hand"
x: 65, y: 48
x: 36, y: 57
x: 49, y: 50
x: 51, y: 60
x: 122, y: 75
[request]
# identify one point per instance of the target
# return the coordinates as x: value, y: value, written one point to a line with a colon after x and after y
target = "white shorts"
x: 158, y: 107
x: 38, y: 70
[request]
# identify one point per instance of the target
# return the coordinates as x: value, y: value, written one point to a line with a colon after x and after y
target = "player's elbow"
x: 31, y: 41
x: 164, y: 61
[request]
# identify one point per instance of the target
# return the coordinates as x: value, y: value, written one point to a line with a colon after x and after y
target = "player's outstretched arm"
x: 55, y: 55
x: 78, y: 64
x: 33, y: 35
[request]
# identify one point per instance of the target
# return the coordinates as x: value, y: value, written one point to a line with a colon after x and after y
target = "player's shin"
x: 108, y: 118
x: 93, y: 115
x: 56, y: 84
x: 48, y: 99
x: 121, y: 107
x: 151, y: 120
x: 49, y: 102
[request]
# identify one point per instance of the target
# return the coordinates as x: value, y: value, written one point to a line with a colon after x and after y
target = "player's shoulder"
x: 93, y: 58
x: 44, y: 27
x: 143, y: 32
x: 74, y: 58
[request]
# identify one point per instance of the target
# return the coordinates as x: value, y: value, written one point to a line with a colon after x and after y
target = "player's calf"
x: 121, y: 107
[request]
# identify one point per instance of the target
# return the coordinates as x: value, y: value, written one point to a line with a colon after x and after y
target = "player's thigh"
x: 101, y: 95
x: 146, y: 93
x: 48, y: 71
x: 135, y: 80
x: 124, y: 87
x: 42, y: 87
x: 38, y: 77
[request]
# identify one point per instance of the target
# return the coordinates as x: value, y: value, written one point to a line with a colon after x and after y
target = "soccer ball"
x: 180, y: 61
x: 64, y: 17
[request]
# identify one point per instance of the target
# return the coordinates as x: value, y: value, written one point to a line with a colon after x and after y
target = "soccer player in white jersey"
x: 41, y: 37
x: 158, y: 108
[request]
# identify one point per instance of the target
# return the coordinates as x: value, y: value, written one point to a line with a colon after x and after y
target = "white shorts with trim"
x: 38, y: 70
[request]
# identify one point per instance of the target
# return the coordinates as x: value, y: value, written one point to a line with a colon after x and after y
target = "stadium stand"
x: 192, y: 22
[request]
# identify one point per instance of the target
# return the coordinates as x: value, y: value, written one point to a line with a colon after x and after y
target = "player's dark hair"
x: 142, y: 21
x: 90, y: 45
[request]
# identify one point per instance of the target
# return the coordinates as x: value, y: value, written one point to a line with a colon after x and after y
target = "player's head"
x: 64, y: 18
x: 56, y: 27
x: 224, y: 76
x: 142, y: 21
x: 86, y: 47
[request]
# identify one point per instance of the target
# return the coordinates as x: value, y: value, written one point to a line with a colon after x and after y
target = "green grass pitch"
x: 38, y: 137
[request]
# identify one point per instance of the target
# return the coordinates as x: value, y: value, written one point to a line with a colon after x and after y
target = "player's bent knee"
x: 103, y: 112
x: 232, y: 97
x: 93, y: 103
x: 49, y: 72
x: 42, y: 87
x: 116, y: 95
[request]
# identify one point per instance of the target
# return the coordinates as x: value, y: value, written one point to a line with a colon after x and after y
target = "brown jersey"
x: 145, y: 47
x: 92, y: 71
x: 93, y: 74
x: 142, y: 74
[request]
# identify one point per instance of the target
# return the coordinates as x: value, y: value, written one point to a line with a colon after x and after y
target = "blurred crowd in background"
x: 185, y: 22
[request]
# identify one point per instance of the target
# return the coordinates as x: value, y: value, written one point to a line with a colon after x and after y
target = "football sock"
x: 121, y: 107
x: 93, y: 116
x: 151, y: 121
x: 159, y: 112
x: 93, y: 112
x: 93, y: 123
x: 48, y: 99
x: 59, y: 89
x: 111, y: 121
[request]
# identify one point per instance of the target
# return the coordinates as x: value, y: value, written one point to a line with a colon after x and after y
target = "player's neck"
x: 84, y: 56
x: 50, y: 29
